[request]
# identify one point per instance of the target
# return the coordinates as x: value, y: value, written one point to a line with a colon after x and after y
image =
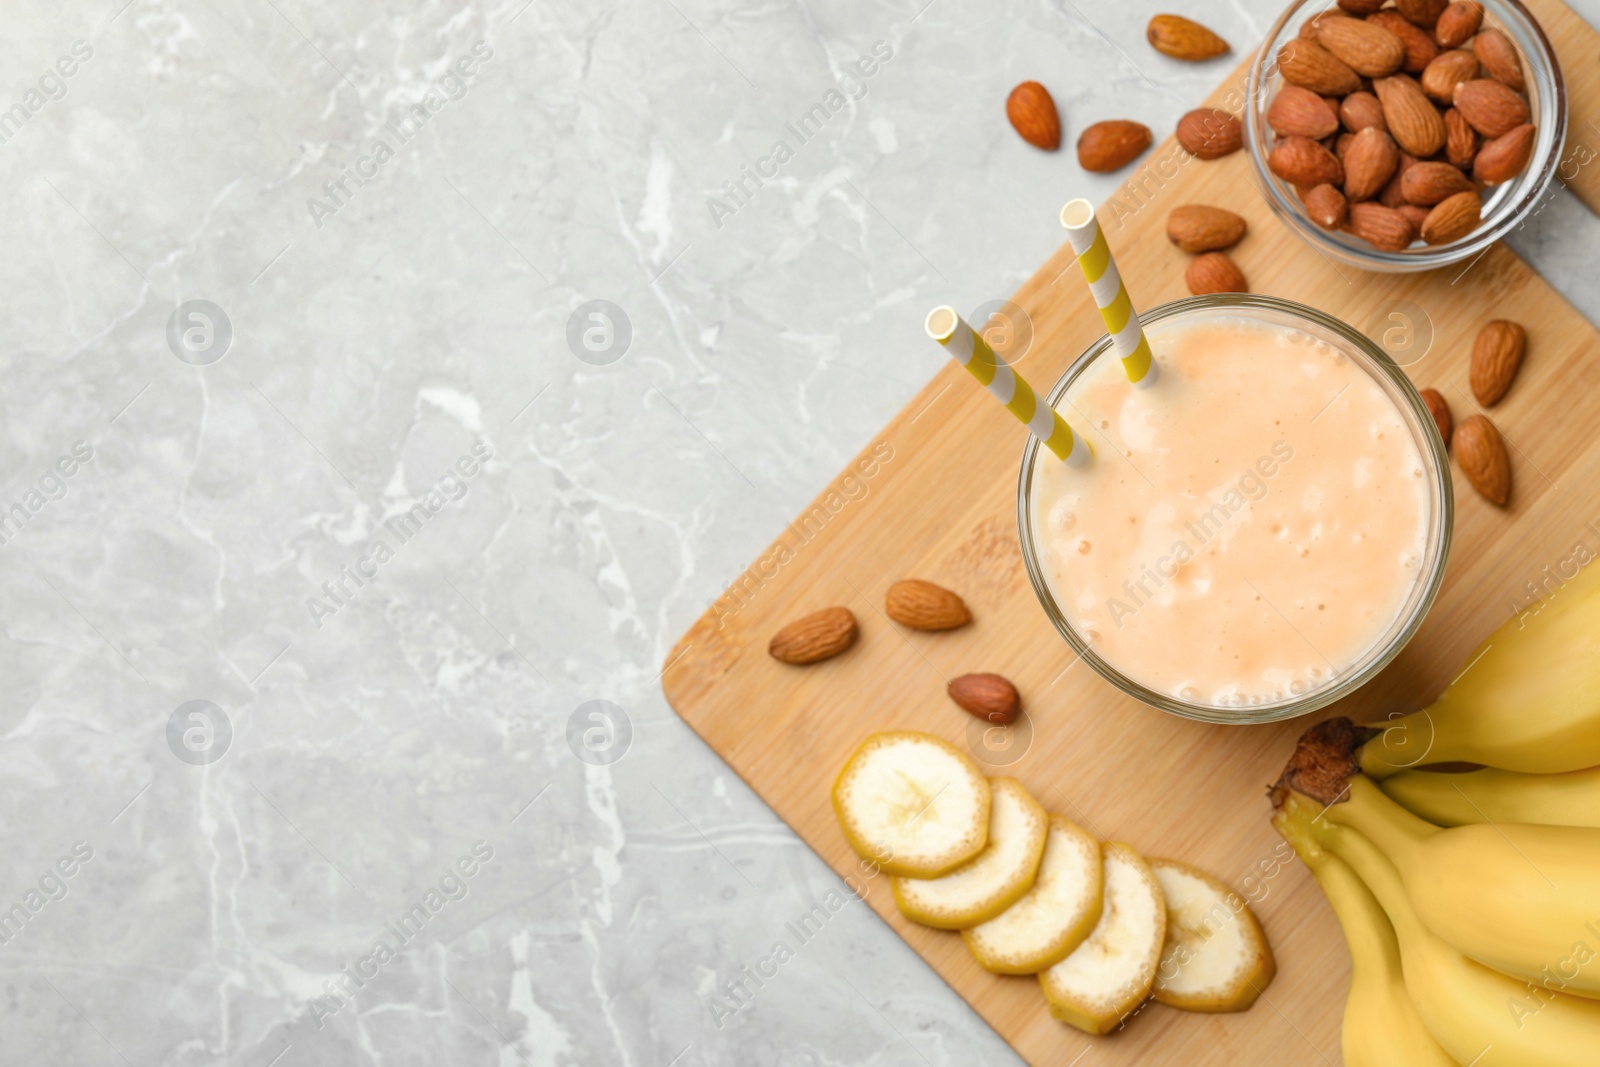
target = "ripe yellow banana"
x: 1381, y: 1024
x: 1520, y: 898
x: 1529, y: 699
x: 1479, y: 1016
x: 1492, y: 795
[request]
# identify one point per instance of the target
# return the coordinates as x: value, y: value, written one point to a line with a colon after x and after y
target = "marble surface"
x: 279, y: 796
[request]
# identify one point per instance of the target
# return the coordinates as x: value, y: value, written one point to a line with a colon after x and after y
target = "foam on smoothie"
x: 1249, y: 528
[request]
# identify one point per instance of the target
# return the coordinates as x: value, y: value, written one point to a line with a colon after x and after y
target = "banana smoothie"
x: 1250, y: 527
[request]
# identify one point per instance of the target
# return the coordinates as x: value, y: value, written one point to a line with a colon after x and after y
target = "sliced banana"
x: 913, y: 804
x: 1216, y: 957
x: 1110, y: 974
x: 992, y: 881
x: 1052, y: 918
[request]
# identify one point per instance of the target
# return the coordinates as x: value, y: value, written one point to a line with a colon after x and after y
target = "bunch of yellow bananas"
x: 1470, y: 901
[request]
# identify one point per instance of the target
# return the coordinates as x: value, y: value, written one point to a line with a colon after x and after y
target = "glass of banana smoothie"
x: 1260, y: 532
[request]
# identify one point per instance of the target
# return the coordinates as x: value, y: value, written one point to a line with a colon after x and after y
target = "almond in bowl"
x: 1407, y: 135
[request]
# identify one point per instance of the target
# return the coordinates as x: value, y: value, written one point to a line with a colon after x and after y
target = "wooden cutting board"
x: 934, y: 496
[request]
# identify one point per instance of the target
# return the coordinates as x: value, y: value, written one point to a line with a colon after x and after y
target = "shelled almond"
x: 1393, y: 117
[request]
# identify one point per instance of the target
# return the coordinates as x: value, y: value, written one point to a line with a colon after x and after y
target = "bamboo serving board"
x: 933, y: 496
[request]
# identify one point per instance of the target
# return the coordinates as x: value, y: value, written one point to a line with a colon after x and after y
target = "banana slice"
x: 990, y: 883
x: 1216, y: 957
x: 1110, y: 974
x: 913, y: 804
x: 1052, y: 918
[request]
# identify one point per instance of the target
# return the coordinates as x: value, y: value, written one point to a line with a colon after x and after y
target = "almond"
x: 1214, y: 272
x: 1181, y: 38
x: 1369, y: 162
x: 1450, y: 69
x: 1414, y: 123
x: 1033, y: 115
x: 1308, y: 28
x: 1210, y: 133
x: 1360, y: 110
x: 1361, y: 7
x: 924, y: 606
x: 1496, y: 355
x: 818, y: 636
x: 1482, y: 455
x: 1112, y: 145
x: 988, y: 696
x: 1424, y: 13
x: 1492, y: 108
x: 1440, y: 412
x: 1391, y: 195
x: 1505, y: 157
x: 1300, y: 161
x: 1418, y: 45
x: 1499, y: 57
x: 1457, y: 24
x: 1364, y: 47
x: 1431, y: 182
x: 1460, y: 140
x: 1453, y: 218
x: 1326, y: 206
x: 1297, y: 112
x: 1382, y: 227
x: 1308, y: 64
x: 1414, y: 215
x: 1341, y: 145
x: 1201, y: 228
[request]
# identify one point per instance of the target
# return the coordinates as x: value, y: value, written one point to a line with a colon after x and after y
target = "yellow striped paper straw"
x: 1110, y: 295
x: 968, y: 348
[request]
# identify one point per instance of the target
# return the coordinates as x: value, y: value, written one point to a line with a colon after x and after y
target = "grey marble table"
x: 341, y: 545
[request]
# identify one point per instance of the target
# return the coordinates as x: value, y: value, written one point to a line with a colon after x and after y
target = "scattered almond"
x: 1482, y: 455
x: 1431, y: 182
x: 1414, y: 122
x: 1112, y: 145
x: 1492, y: 108
x: 1214, y: 272
x: 988, y: 696
x: 1457, y: 24
x: 1309, y: 65
x: 1369, y: 162
x: 1297, y: 112
x: 1452, y: 218
x: 1460, y: 140
x: 1033, y: 115
x: 818, y: 636
x: 1447, y: 71
x: 924, y: 606
x: 1504, y: 157
x: 1181, y: 38
x: 1326, y: 206
x: 1424, y: 13
x: 1440, y: 412
x: 1363, y: 46
x: 1201, y: 228
x: 1300, y: 161
x: 1499, y: 57
x: 1360, y: 110
x: 1382, y: 227
x: 1418, y: 45
x: 1210, y: 133
x: 1496, y: 355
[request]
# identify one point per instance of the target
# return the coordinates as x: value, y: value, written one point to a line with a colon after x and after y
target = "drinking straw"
x: 1110, y: 295
x: 968, y: 348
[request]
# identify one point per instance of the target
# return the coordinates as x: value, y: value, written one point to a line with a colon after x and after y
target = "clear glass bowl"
x: 1425, y: 434
x: 1505, y: 206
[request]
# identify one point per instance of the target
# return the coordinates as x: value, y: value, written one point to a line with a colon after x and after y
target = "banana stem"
x: 1393, y: 829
